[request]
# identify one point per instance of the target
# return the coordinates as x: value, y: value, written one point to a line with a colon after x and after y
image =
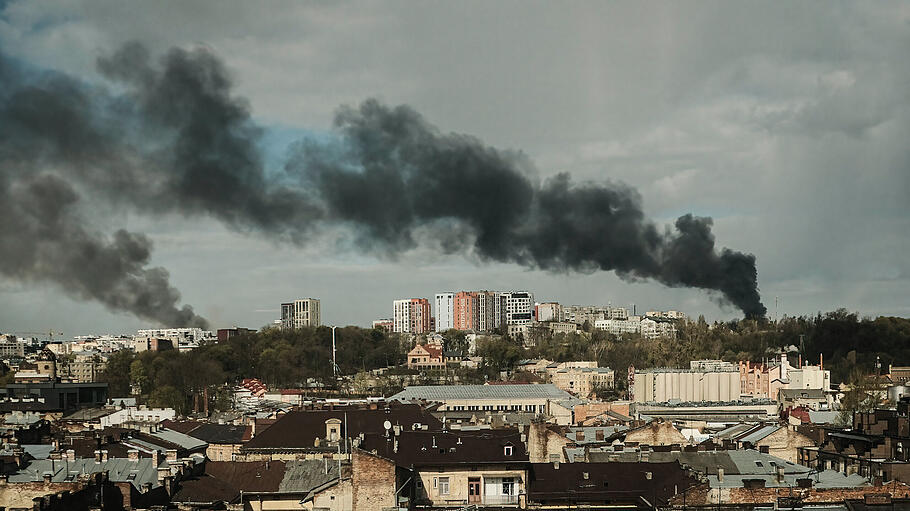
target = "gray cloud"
x: 737, y: 112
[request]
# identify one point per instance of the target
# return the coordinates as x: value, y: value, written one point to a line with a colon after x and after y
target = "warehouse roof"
x: 445, y: 392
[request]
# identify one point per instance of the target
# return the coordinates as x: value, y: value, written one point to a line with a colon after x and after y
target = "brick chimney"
x: 104, y: 455
x: 171, y: 454
x: 133, y: 455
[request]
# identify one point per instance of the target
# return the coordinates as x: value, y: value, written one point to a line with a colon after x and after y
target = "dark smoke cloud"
x: 394, y: 173
x: 176, y: 140
x: 50, y: 122
x: 44, y: 240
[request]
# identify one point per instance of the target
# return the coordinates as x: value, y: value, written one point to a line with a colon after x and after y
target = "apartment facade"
x: 411, y: 315
x: 548, y: 311
x: 445, y: 311
x: 306, y: 312
x: 519, y: 307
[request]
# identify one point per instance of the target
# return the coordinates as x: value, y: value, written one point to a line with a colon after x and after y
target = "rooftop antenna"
x: 334, y: 365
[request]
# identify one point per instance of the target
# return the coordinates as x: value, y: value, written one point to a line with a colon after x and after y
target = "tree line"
x: 291, y: 358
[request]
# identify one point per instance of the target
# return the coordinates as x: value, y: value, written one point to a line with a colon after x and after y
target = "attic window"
x: 759, y: 464
x: 507, y: 450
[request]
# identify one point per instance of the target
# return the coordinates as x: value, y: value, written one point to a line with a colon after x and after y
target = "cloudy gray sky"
x: 788, y: 123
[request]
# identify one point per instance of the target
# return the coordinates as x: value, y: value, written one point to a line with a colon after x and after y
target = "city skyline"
x: 792, y: 141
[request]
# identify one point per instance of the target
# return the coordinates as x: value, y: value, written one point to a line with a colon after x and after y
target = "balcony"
x: 500, y: 500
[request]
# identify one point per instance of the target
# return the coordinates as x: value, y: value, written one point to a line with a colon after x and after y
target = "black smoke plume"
x: 178, y: 141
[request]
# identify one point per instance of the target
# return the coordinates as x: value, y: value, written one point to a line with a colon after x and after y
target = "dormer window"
x: 507, y: 450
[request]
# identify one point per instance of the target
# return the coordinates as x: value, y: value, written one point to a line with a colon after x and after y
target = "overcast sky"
x: 788, y: 123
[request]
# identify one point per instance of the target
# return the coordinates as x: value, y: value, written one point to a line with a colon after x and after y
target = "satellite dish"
x: 387, y: 425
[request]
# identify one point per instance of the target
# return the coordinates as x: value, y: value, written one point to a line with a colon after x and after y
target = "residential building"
x: 768, y: 379
x: 223, y: 334
x: 548, y: 311
x: 653, y: 328
x: 178, y: 335
x: 491, y: 310
x: 428, y: 356
x: 411, y: 315
x: 562, y: 327
x: 582, y: 381
x: 82, y: 368
x: 543, y: 399
x: 630, y: 325
x: 10, y: 346
x: 705, y: 380
x: 875, y: 446
x: 386, y: 324
x: 306, y: 312
x: 465, y: 311
x: 487, y: 468
x: 781, y: 441
x: 519, y: 307
x: 444, y: 311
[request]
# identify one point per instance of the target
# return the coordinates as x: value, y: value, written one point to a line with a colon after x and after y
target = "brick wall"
x: 374, y: 481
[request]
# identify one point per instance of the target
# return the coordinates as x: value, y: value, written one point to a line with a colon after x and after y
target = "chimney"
x: 780, y: 475
x: 171, y: 455
x: 97, y: 456
x: 103, y: 455
x: 720, y: 475
x: 155, y: 460
x: 133, y: 455
x: 47, y: 477
x: 71, y: 455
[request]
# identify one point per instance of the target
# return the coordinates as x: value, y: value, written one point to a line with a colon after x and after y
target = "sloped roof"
x: 223, y: 481
x: 136, y: 472
x: 300, y: 429
x: 417, y: 448
x: 220, y: 433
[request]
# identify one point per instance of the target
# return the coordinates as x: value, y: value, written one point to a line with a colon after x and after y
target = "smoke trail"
x: 44, y: 240
x: 394, y: 172
x: 51, y: 123
x: 178, y: 141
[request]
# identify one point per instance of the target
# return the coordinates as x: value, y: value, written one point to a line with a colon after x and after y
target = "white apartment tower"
x: 519, y: 307
x: 301, y: 313
x: 445, y: 311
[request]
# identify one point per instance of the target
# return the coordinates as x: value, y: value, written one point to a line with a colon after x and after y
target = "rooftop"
x: 508, y: 391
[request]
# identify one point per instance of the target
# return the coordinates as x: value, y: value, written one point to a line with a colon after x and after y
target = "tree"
x: 864, y: 394
x: 117, y: 373
x: 499, y: 353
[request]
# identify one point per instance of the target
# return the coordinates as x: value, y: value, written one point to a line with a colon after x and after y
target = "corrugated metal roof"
x: 759, y: 434
x: 175, y: 437
x: 136, y: 472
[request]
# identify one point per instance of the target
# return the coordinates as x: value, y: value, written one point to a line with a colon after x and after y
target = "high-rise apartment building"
x: 445, y: 313
x: 490, y: 310
x: 412, y: 315
x: 519, y: 307
x: 301, y: 313
x: 465, y: 310
x: 548, y: 311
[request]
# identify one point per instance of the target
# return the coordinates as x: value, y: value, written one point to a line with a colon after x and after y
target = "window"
x: 443, y: 485
x: 508, y: 486
x: 507, y: 450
